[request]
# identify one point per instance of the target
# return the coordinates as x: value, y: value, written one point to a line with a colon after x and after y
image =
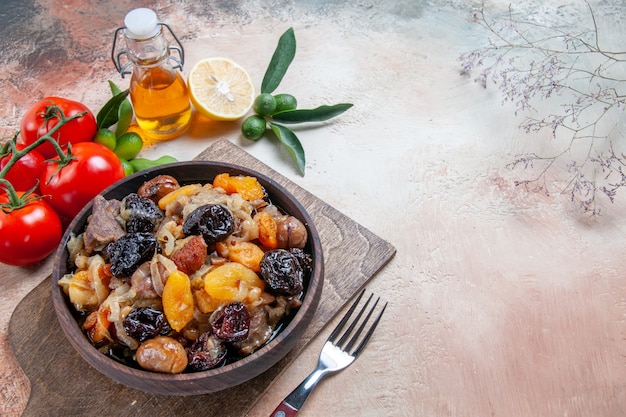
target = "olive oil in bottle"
x: 160, y: 101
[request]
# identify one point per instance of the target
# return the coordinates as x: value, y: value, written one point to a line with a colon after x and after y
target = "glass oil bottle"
x: 158, y: 91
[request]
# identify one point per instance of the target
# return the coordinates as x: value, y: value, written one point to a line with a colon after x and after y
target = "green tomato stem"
x: 64, y: 158
x: 16, y: 201
x: 12, y: 196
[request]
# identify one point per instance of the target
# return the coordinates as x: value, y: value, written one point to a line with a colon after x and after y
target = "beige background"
x: 503, y: 302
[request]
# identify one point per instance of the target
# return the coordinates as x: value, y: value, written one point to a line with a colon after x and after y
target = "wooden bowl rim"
x: 215, y: 379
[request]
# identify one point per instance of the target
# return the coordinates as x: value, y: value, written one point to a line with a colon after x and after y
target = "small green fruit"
x: 106, y: 137
x: 128, y: 145
x: 253, y: 127
x: 285, y: 102
x: 264, y: 104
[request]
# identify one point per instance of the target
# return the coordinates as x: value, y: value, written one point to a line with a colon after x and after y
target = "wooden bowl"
x: 215, y: 379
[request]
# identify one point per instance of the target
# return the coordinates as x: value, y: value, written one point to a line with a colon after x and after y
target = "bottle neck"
x: 148, y: 52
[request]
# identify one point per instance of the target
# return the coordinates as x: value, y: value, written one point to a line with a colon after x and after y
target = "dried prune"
x: 214, y: 222
x: 283, y: 272
x: 145, y: 323
x: 261, y: 330
x: 206, y: 352
x: 306, y: 262
x: 232, y: 323
x: 128, y: 252
x: 140, y: 213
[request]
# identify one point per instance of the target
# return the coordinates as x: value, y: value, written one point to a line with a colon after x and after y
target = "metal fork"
x: 338, y: 352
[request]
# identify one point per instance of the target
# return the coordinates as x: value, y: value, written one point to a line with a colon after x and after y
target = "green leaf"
x: 124, y: 114
x: 115, y: 90
x: 109, y: 113
x: 283, y: 55
x: 291, y: 141
x: 124, y: 118
x: 318, y: 114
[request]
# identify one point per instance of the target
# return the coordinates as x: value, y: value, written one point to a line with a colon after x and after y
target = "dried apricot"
x: 97, y: 326
x: 178, y: 300
x: 223, y: 282
x: 223, y: 181
x: 222, y: 249
x: 184, y: 190
x: 246, y: 253
x: 268, y: 230
x: 248, y: 187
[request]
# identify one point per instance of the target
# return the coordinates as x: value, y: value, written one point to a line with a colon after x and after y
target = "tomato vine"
x: 10, y: 148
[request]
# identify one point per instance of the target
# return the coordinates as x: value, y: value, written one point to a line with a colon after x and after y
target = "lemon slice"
x: 220, y: 89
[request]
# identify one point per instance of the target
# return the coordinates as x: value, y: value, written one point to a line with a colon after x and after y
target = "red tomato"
x: 78, y: 130
x: 70, y: 188
x: 28, y: 234
x: 25, y: 173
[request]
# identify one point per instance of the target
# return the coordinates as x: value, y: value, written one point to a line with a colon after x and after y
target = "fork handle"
x: 284, y: 410
x: 293, y: 402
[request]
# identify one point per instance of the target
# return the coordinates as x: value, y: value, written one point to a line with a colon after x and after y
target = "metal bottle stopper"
x: 142, y: 25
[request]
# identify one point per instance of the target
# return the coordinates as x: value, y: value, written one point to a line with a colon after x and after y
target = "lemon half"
x: 220, y: 89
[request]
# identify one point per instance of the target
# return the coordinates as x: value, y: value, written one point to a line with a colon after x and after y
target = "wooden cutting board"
x: 63, y: 384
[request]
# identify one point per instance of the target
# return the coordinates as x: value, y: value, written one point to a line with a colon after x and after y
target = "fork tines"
x: 358, y: 319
